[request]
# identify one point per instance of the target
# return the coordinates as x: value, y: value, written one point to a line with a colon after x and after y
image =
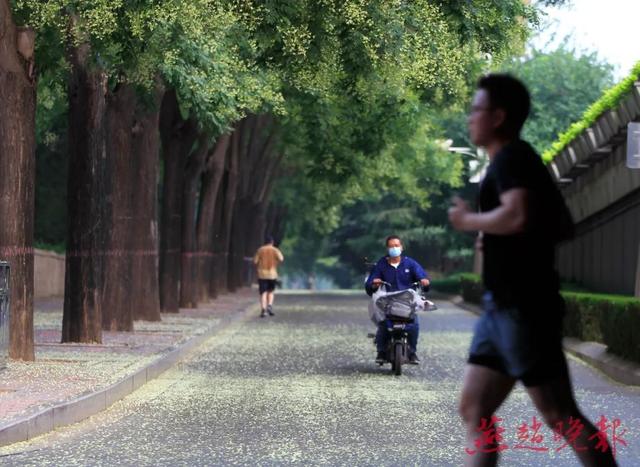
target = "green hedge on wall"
x: 612, y: 320
x: 609, y: 100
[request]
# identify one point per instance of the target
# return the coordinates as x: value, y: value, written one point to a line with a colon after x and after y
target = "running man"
x: 266, y: 260
x: 519, y: 335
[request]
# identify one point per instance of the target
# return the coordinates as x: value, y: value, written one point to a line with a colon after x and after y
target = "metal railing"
x: 5, y: 274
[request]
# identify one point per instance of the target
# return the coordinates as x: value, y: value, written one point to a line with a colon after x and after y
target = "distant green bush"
x: 455, y: 283
x: 471, y: 288
x: 449, y: 284
x: 609, y: 100
x: 55, y: 247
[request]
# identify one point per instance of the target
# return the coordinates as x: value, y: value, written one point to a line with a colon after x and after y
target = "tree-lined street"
x: 301, y: 388
x: 180, y: 132
x: 155, y: 145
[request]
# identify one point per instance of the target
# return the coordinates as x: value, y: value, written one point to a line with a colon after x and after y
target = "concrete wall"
x: 605, y: 254
x: 48, y: 274
x: 605, y: 204
x: 603, y: 185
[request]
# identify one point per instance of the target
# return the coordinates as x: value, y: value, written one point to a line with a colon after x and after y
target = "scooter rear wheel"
x: 397, y: 359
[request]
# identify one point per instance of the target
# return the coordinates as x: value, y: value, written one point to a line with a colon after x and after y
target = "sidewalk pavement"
x: 593, y: 353
x: 70, y: 382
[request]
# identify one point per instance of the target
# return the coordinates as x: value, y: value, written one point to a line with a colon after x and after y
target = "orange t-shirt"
x: 266, y: 260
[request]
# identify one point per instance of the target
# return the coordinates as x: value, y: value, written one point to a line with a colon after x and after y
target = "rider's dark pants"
x: 382, y: 336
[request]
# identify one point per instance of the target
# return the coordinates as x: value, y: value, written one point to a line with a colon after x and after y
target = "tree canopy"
x: 562, y: 83
x: 359, y: 89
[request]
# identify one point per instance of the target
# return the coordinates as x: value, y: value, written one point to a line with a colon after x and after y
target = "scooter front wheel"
x: 397, y: 359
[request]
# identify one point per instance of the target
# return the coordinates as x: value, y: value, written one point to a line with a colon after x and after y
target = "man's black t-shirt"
x: 519, y: 269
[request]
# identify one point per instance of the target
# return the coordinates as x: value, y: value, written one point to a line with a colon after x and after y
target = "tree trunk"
x: 259, y: 227
x: 146, y: 151
x: 248, y: 133
x: 190, y: 253
x: 130, y: 288
x: 223, y: 243
x: 17, y: 172
x: 178, y: 136
x: 262, y: 169
x: 82, y: 317
x: 263, y: 186
x: 211, y: 182
x: 257, y: 168
x: 219, y: 268
x: 276, y: 221
x: 121, y: 183
x: 240, y: 236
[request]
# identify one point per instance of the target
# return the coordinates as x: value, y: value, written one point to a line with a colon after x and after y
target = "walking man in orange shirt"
x: 266, y: 260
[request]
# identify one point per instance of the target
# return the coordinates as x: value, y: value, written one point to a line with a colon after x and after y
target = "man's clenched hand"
x: 458, y: 213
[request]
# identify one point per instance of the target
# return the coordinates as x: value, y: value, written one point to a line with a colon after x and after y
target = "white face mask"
x: 394, y: 251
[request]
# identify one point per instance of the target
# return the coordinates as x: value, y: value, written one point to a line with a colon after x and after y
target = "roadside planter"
x: 4, y: 312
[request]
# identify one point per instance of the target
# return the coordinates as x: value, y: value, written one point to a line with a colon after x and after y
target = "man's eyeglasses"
x: 477, y: 108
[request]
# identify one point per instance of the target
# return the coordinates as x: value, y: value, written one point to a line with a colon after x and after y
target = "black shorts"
x: 512, y: 342
x: 266, y: 285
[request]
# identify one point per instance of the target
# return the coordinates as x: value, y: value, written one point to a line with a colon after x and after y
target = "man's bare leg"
x: 483, y: 391
x: 556, y: 404
x: 264, y: 300
x: 270, y: 303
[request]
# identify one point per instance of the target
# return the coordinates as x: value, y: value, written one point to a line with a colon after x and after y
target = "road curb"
x: 85, y: 406
x: 593, y: 353
x: 458, y: 301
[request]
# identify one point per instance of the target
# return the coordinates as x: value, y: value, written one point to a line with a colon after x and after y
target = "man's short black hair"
x: 268, y: 239
x: 391, y: 237
x: 507, y: 93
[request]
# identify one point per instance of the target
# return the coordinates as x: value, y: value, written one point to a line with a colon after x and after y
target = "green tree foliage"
x: 355, y: 84
x: 563, y: 83
x: 373, y: 134
x: 200, y: 48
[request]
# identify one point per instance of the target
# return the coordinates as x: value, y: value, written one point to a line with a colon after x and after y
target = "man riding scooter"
x: 399, y: 272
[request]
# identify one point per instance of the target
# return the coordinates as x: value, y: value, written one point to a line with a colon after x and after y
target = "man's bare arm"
x: 507, y: 219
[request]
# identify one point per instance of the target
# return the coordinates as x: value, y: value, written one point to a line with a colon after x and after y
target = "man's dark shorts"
x: 266, y: 285
x: 523, y: 344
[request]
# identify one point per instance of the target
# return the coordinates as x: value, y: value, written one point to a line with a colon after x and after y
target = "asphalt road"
x: 302, y: 388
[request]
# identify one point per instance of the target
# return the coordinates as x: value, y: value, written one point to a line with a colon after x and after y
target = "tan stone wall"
x: 48, y: 274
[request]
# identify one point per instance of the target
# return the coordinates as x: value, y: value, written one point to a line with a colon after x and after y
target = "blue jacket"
x: 400, y: 278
